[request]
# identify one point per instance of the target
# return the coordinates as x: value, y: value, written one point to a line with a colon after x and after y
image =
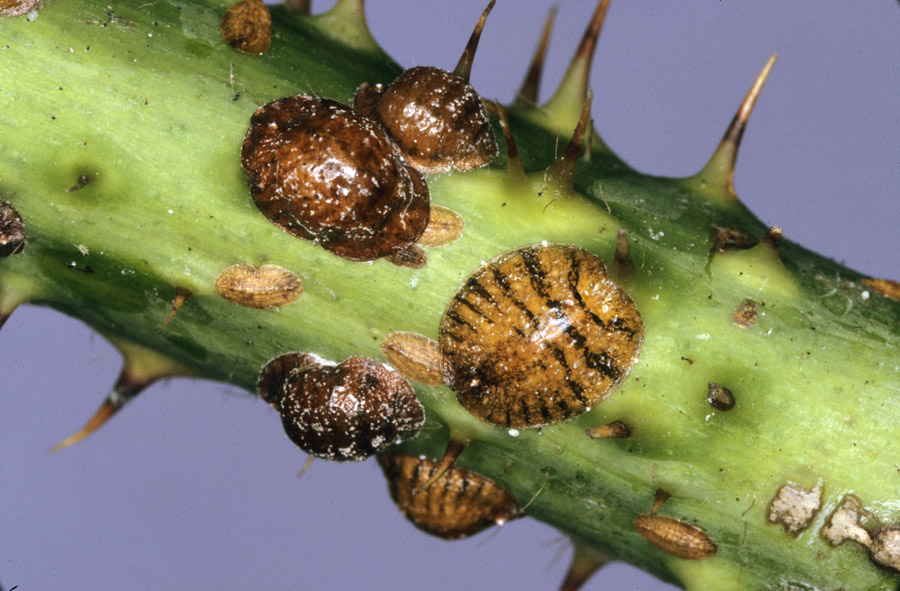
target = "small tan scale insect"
x: 415, y: 356
x: 247, y: 26
x: 745, y: 314
x: 458, y: 504
x: 342, y: 412
x: 270, y: 286
x: 444, y: 226
x: 675, y: 537
x: 613, y: 430
x: 885, y: 287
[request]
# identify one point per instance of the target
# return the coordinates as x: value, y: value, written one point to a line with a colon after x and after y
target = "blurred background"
x: 194, y: 485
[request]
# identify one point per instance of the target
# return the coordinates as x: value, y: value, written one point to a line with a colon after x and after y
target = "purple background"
x: 194, y: 485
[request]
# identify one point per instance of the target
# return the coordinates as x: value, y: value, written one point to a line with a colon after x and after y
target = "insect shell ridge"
x: 537, y: 335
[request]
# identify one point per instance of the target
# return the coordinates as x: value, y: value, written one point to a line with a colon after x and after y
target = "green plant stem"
x: 148, y: 103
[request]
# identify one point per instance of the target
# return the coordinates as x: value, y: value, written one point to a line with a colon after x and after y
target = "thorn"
x: 347, y: 21
x: 623, y: 265
x: 454, y: 448
x: 885, y: 287
x: 464, y: 67
x: 661, y: 497
x: 306, y: 465
x: 574, y: 84
x: 141, y: 367
x: 514, y: 168
x: 772, y: 239
x: 528, y: 93
x: 181, y: 296
x: 585, y: 562
x: 562, y: 172
x: 614, y: 430
x: 720, y: 168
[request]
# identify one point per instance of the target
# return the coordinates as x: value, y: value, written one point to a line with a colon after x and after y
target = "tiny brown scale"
x: 270, y: 286
x: 458, y: 504
x: 321, y: 171
x: 343, y: 412
x: 12, y: 230
x: 538, y: 335
x: 247, y: 26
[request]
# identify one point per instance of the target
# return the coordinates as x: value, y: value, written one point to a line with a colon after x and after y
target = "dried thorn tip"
x: 514, y: 167
x: 720, y: 168
x: 585, y: 562
x: 773, y: 239
x: 454, y: 448
x: 575, y: 81
x: 528, y: 93
x: 662, y: 495
x: 562, y: 172
x: 464, y: 67
x: 181, y: 296
x: 103, y: 414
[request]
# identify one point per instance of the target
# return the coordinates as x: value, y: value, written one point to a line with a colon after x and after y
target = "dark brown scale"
x: 538, y: 335
x: 435, y: 118
x: 459, y: 503
x: 344, y: 412
x: 12, y: 230
x: 322, y: 171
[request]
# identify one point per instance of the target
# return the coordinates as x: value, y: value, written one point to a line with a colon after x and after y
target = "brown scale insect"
x: 247, y: 26
x: 344, y: 412
x: 719, y: 397
x: 323, y: 172
x: 459, y: 503
x: 435, y: 118
x: 675, y: 537
x: 270, y: 286
x: 538, y: 335
x: 12, y: 230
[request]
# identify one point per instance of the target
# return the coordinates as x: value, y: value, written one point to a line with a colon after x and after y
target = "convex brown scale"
x: 538, y: 335
x: 342, y: 412
x: 673, y: 536
x: 435, y: 118
x: 323, y: 172
x: 458, y: 504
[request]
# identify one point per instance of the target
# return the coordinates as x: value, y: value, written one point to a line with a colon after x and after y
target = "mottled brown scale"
x: 247, y: 26
x: 719, y: 397
x: 436, y: 120
x: 444, y: 226
x: 344, y: 412
x: 675, y: 537
x: 12, y: 230
x: 11, y: 8
x: 411, y: 258
x: 458, y: 504
x: 745, y: 314
x: 323, y: 172
x: 415, y: 356
x: 270, y: 286
x: 538, y: 335
x: 725, y: 239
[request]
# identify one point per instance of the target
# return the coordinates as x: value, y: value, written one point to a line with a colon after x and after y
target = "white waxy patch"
x: 794, y: 507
